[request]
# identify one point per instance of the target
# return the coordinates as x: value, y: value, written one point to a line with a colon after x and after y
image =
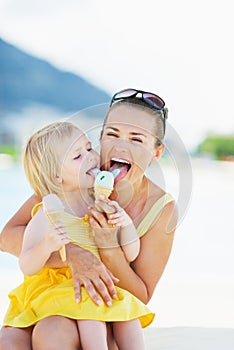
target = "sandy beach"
x: 189, y: 338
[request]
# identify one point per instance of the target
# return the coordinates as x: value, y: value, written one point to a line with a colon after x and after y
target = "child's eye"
x: 89, y: 149
x: 77, y: 157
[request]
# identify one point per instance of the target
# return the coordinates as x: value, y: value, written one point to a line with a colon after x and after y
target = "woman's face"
x: 128, y: 141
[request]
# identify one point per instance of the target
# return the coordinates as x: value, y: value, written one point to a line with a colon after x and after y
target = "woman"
x: 131, y: 139
x: 59, y: 159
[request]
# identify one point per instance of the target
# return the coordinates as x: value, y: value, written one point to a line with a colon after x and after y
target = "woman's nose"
x: 121, y: 145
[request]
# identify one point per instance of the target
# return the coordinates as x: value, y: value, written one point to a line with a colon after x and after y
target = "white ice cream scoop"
x: 104, y: 183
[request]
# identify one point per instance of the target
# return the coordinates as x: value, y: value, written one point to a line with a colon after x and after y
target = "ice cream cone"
x: 53, y: 208
x: 101, y: 190
x: 62, y: 253
x: 104, y: 183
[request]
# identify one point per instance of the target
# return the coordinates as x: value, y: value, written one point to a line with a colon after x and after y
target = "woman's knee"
x: 56, y: 332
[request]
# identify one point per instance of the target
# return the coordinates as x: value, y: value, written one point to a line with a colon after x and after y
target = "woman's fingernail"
x: 109, y: 303
x: 77, y: 300
x: 99, y: 302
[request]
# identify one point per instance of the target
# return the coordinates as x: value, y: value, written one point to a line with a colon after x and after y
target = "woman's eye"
x: 136, y: 140
x: 77, y: 157
x: 112, y: 134
x: 89, y: 149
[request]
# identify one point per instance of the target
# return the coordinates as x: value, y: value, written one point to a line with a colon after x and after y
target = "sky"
x: 182, y: 50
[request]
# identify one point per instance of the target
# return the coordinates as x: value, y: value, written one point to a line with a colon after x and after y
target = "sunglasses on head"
x: 149, y: 98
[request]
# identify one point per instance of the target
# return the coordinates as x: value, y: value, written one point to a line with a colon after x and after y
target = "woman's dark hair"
x: 160, y: 115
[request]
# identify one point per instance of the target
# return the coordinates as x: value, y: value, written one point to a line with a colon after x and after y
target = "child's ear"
x: 159, y: 152
x: 59, y: 179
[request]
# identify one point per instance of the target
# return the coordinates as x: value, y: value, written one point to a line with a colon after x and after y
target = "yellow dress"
x: 50, y: 291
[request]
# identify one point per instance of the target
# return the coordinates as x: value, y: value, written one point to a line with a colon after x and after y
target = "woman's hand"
x: 90, y: 272
x: 105, y: 234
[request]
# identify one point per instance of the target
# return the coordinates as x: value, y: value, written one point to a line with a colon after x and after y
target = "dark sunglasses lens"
x: 154, y: 100
x: 124, y: 94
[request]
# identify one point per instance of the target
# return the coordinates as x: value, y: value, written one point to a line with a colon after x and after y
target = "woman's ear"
x: 100, y: 136
x: 159, y: 151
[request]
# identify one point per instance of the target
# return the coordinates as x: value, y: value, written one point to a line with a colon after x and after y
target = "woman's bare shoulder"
x: 160, y: 211
x: 155, y: 192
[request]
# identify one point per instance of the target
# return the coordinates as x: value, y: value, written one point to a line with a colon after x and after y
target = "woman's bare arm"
x: 11, y: 237
x: 141, y: 277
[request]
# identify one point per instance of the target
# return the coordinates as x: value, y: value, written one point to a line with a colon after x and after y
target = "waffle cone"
x: 100, y: 190
x: 52, y: 218
x: 62, y: 253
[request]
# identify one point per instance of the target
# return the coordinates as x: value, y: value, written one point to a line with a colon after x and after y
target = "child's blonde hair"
x: 41, y: 161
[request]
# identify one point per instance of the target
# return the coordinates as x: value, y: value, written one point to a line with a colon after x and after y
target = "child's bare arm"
x: 40, y: 240
x: 128, y: 237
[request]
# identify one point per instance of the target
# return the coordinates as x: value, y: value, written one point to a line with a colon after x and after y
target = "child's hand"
x: 103, y: 205
x: 56, y: 236
x: 117, y: 216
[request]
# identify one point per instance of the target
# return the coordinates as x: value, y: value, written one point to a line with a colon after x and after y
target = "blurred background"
x: 60, y: 57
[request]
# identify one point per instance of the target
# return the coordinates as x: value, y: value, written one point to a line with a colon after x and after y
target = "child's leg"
x: 55, y: 333
x: 15, y: 338
x: 129, y: 335
x: 92, y: 334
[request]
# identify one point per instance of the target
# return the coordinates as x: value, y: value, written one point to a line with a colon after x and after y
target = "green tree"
x: 218, y: 146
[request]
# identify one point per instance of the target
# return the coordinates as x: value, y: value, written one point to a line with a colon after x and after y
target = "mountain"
x: 27, y: 80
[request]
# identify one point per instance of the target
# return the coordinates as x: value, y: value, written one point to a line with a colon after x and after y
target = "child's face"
x: 77, y: 161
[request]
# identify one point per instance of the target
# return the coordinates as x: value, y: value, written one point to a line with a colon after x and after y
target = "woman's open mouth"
x: 122, y: 164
